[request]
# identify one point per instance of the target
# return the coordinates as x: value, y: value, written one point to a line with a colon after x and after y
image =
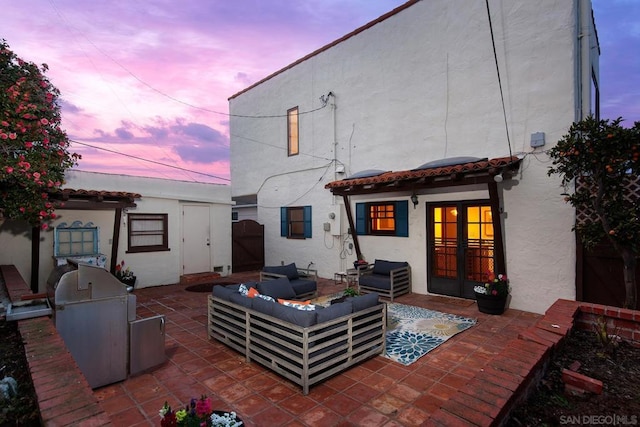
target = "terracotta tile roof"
x: 487, y: 168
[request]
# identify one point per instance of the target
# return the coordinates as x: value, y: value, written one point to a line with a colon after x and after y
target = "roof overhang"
x: 477, y: 172
x: 68, y: 198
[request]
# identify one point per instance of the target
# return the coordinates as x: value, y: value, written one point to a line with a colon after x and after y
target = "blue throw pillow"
x: 277, y: 288
x: 291, y: 271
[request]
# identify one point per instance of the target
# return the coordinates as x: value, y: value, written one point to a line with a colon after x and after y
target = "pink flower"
x: 52, y: 215
x: 22, y: 209
x: 45, y: 226
x: 12, y: 135
x: 28, y: 144
x: 3, y: 136
x: 44, y: 121
x: 8, y: 169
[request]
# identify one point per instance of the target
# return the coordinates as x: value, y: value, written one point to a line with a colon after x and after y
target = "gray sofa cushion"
x: 376, y: 281
x: 224, y: 292
x: 293, y: 315
x: 240, y: 299
x: 334, y: 311
x: 289, y: 270
x: 277, y: 288
x: 384, y: 267
x: 303, y: 286
x: 363, y: 302
x: 263, y: 306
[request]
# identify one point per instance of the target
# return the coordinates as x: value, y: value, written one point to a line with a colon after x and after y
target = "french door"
x: 460, y: 247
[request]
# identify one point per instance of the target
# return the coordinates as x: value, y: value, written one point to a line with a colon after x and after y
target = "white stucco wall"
x: 158, y: 196
x: 420, y: 86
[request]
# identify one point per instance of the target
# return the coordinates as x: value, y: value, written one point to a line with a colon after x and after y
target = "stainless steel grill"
x: 96, y: 317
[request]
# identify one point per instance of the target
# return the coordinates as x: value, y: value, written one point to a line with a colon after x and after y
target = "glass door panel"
x: 460, y: 247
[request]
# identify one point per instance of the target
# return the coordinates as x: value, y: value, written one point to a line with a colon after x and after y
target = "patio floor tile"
x: 377, y: 392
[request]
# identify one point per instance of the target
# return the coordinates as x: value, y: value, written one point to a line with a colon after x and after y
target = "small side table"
x: 350, y: 277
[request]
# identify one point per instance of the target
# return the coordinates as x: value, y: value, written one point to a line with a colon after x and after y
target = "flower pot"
x: 129, y: 281
x: 491, y: 304
x: 235, y: 421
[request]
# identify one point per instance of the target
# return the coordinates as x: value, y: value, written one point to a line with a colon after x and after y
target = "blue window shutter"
x: 402, y: 218
x: 361, y: 219
x: 307, y: 221
x: 284, y: 225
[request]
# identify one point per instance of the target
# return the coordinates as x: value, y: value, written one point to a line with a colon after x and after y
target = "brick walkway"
x: 472, y: 379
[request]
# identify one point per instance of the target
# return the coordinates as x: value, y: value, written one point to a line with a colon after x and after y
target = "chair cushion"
x: 289, y: 270
x: 384, y: 267
x: 303, y: 286
x: 376, y: 281
x: 277, y: 288
x: 363, y: 302
x: 292, y: 315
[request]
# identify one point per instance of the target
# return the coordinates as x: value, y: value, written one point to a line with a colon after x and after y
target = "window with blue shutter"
x: 295, y: 222
x: 383, y: 218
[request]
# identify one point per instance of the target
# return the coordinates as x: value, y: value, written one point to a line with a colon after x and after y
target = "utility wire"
x: 495, y: 57
x: 150, y: 161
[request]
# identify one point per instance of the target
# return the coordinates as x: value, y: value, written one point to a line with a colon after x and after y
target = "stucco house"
x: 421, y: 137
x: 163, y: 229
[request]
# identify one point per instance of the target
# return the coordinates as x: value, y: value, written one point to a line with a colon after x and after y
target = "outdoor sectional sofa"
x: 305, y: 347
x: 389, y: 279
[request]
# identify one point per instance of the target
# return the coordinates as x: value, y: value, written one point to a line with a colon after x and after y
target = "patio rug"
x: 412, y: 331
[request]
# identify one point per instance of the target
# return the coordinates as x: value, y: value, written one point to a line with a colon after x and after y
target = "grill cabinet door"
x: 146, y: 343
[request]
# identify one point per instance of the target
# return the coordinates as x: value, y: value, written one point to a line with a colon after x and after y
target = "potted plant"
x: 360, y: 263
x: 125, y: 275
x: 198, y: 413
x: 492, y: 297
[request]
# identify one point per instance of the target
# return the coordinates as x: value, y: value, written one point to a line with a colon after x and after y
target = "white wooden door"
x: 196, y: 239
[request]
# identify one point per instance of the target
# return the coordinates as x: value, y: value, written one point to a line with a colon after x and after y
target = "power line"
x: 495, y: 57
x: 150, y: 161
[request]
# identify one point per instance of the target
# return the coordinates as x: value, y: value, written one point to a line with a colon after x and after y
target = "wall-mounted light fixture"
x: 498, y: 178
x: 414, y: 200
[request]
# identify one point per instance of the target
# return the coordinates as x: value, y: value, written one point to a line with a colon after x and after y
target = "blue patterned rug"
x: 412, y: 332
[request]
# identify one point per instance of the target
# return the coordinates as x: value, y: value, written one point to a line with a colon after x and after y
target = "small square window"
x: 148, y: 232
x: 295, y: 222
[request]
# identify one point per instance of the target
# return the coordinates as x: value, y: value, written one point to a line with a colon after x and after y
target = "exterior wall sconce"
x: 414, y: 200
x: 498, y: 178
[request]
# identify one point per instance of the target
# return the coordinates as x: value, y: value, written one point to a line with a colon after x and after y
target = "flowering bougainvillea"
x: 34, y: 148
x: 605, y: 158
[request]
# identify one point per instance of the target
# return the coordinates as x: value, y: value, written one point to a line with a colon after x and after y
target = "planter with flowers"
x: 198, y: 413
x: 492, y: 296
x: 125, y: 275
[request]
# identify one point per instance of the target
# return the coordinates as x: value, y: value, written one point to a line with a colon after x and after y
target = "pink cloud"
x: 151, y: 79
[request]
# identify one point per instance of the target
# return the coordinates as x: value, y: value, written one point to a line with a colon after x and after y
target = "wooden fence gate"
x: 247, y: 246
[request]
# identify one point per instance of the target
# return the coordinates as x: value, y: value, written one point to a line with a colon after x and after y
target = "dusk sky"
x: 151, y: 78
